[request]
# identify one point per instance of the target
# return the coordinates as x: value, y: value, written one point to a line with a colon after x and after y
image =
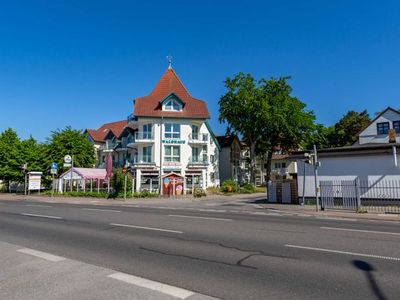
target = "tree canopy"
x: 265, y: 114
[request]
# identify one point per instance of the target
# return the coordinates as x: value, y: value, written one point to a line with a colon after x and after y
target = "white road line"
x: 41, y: 216
x: 153, y: 285
x: 99, y: 209
x: 147, y: 228
x: 359, y: 230
x: 37, y: 205
x: 203, y: 218
x: 44, y: 255
x: 344, y: 252
x: 336, y: 218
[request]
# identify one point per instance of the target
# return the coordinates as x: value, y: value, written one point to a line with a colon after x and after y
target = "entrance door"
x: 173, y: 185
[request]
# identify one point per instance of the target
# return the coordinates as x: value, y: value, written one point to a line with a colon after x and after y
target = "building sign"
x: 172, y: 164
x: 34, y: 180
x: 173, y: 141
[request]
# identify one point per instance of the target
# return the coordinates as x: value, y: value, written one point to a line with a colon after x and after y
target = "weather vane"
x: 169, y: 59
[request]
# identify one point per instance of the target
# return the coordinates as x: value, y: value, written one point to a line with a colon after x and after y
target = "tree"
x: 266, y: 115
x: 242, y: 108
x: 286, y: 122
x: 321, y: 136
x: 68, y: 142
x: 349, y: 126
x: 10, y: 157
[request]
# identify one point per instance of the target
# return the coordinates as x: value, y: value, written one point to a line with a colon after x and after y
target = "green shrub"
x: 78, y: 194
x: 229, y: 185
x: 248, y: 188
x: 118, y: 183
x: 198, y: 192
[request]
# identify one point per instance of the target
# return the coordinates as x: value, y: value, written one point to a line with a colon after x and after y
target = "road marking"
x: 147, y: 228
x: 41, y: 216
x: 336, y: 218
x: 153, y: 285
x: 204, y: 218
x: 359, y: 230
x: 387, y: 215
x: 37, y: 205
x: 99, y: 209
x: 344, y: 252
x: 44, y: 255
x: 94, y: 201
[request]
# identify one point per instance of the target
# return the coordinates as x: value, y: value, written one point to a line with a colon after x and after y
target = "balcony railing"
x: 108, y: 146
x: 144, y: 137
x: 142, y: 160
x: 198, y: 160
x: 201, y: 138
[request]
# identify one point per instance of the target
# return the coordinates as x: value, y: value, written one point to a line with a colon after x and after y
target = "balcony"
x: 108, y: 146
x: 142, y: 160
x: 198, y: 161
x: 198, y: 138
x: 143, y: 137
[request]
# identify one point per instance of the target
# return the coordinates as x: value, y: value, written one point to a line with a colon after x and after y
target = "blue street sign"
x: 54, y: 165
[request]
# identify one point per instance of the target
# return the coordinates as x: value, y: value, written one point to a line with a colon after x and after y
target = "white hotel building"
x: 172, y: 140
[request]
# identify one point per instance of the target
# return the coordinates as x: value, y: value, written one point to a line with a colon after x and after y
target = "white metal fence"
x: 372, y: 196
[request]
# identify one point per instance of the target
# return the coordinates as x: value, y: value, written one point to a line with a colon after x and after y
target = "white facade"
x: 364, y: 167
x: 182, y: 146
x: 377, y: 131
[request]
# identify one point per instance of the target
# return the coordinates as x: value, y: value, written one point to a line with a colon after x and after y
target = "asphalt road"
x: 224, y: 255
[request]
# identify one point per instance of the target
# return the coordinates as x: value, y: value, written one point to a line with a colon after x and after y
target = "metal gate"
x: 340, y: 194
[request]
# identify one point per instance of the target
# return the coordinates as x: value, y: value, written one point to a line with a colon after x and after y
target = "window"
x: 172, y: 153
x: 172, y: 105
x: 147, y: 129
x: 147, y: 154
x: 280, y: 165
x: 396, y: 126
x: 212, y: 158
x: 382, y: 128
x: 195, y: 154
x: 172, y: 131
x: 195, y: 132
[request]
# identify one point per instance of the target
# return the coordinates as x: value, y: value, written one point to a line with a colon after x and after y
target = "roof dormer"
x: 172, y: 103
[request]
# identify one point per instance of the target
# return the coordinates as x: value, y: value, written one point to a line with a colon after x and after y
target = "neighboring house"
x: 112, y: 138
x: 372, y: 160
x: 173, y: 143
x: 230, y: 158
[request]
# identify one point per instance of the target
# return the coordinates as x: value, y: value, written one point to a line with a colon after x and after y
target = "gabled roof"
x: 150, y: 106
x: 226, y: 140
x: 115, y: 127
x: 376, y: 118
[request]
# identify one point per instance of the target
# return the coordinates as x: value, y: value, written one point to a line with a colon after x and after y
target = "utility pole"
x: 316, y: 164
x: 25, y: 168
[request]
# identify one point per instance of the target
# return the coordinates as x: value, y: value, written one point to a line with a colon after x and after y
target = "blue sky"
x: 81, y: 63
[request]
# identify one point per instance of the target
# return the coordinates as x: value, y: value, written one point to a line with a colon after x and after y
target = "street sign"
x: 54, y: 165
x: 65, y: 165
x: 53, y: 171
x: 67, y: 159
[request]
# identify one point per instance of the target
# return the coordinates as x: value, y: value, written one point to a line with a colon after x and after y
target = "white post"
x: 395, y: 155
x: 91, y: 185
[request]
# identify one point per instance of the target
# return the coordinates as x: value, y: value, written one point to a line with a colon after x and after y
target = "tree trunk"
x: 268, y: 166
x: 253, y: 163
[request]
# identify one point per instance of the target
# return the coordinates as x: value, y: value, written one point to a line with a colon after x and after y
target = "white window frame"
x: 148, y: 156
x: 172, y: 157
x: 172, y: 134
x: 172, y: 105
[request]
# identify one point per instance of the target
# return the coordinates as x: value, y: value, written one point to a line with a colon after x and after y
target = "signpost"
x: 34, y: 181
x: 125, y: 171
x: 69, y: 162
x: 53, y: 171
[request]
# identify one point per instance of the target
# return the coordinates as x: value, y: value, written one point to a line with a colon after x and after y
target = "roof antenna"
x: 169, y: 59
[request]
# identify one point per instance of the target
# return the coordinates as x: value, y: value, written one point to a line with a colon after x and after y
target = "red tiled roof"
x: 115, y: 127
x: 149, y: 106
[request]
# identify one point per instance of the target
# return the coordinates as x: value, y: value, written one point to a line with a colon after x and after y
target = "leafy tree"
x: 242, y: 108
x: 348, y: 127
x: 10, y: 159
x: 68, y: 142
x: 321, y: 136
x: 266, y: 115
x: 118, y: 183
x: 286, y: 122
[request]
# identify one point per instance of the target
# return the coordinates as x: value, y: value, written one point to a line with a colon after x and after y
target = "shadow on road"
x: 368, y: 269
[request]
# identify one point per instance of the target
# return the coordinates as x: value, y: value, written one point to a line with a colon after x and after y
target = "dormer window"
x: 172, y: 103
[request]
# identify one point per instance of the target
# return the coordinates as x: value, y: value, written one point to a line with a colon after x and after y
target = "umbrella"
x: 109, y: 166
